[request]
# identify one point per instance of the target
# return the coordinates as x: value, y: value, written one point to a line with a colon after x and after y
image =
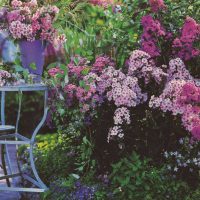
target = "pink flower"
x: 152, y: 32
x: 122, y: 115
x: 196, y: 132
x: 184, y: 45
x: 101, y: 62
x: 157, y: 5
x: 16, y: 3
x: 14, y: 16
x: 3, y: 76
x: 103, y: 3
x: 54, y: 71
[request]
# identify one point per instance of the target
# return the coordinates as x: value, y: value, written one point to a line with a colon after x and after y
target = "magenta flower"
x: 102, y: 3
x: 54, y: 71
x: 184, y: 45
x: 196, y: 132
x: 152, y: 32
x: 157, y: 5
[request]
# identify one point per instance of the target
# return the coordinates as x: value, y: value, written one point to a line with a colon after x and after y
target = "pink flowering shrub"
x: 81, y: 88
x: 92, y: 86
x: 163, y: 40
x: 153, y: 31
x: 180, y: 96
x: 184, y: 45
x: 25, y: 20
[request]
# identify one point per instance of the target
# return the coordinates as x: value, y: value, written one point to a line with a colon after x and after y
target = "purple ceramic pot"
x: 32, y: 53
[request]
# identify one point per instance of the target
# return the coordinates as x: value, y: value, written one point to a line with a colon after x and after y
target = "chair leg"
x: 4, y: 164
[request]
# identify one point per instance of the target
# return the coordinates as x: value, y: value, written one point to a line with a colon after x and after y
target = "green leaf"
x: 61, y: 111
x: 82, y: 83
x: 87, y: 87
x: 33, y: 66
x: 18, y: 61
x: 19, y: 68
x: 85, y: 71
x: 76, y: 61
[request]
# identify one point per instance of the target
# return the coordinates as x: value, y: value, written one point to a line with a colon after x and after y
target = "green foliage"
x: 133, y: 178
x: 194, y: 195
x: 85, y: 162
x: 3, y: 2
x: 53, y: 157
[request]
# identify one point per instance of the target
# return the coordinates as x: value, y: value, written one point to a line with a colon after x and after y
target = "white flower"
x: 175, y: 169
x: 169, y: 167
x: 184, y: 164
x: 194, y: 160
x: 121, y: 135
x: 181, y: 141
x: 188, y: 161
x: 166, y: 155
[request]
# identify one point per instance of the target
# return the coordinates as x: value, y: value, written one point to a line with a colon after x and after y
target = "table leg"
x: 4, y: 164
x: 32, y: 162
x: 3, y: 146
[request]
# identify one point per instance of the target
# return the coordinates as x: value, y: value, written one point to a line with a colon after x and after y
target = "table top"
x: 24, y: 87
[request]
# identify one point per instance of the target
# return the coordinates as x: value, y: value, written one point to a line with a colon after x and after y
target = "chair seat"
x: 6, y: 128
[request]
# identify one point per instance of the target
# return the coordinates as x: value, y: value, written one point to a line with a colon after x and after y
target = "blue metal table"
x: 15, y: 138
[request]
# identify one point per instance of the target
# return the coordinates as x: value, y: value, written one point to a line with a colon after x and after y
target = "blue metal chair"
x: 15, y: 138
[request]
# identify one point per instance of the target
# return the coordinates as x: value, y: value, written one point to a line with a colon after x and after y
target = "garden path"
x: 6, y: 195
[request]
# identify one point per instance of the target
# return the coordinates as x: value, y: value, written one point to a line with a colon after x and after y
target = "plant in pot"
x: 32, y: 27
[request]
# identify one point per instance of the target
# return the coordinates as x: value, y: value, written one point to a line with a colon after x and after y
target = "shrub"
x: 132, y: 178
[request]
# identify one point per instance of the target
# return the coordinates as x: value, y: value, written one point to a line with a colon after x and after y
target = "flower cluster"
x: 157, y: 5
x: 115, y: 131
x: 54, y: 71
x: 177, y: 70
x: 186, y: 158
x: 83, y: 192
x: 122, y: 89
x: 86, y: 98
x: 190, y: 99
x: 152, y: 31
x: 122, y: 115
x: 167, y: 101
x: 20, y: 30
x: 4, y: 75
x: 190, y: 94
x: 102, y: 3
x: 184, y: 46
x: 101, y: 62
x: 181, y: 95
x: 76, y: 66
x: 25, y: 20
x: 141, y: 65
